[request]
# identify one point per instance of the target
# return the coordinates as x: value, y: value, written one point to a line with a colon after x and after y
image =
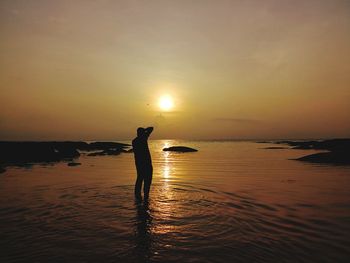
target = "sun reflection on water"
x: 165, y: 206
x: 166, y: 171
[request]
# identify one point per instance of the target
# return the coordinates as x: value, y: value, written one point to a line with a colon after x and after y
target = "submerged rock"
x: 180, y: 149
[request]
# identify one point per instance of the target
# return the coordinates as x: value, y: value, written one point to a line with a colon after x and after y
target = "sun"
x: 166, y: 103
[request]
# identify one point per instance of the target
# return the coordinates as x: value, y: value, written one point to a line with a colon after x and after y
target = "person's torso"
x: 141, y: 151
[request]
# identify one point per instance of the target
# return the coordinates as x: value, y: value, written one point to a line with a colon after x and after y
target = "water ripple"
x: 201, y: 224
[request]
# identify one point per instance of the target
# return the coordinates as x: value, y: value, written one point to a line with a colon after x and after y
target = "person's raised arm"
x: 148, y: 131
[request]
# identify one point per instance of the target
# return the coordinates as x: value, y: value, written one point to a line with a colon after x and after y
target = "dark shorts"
x: 144, y: 170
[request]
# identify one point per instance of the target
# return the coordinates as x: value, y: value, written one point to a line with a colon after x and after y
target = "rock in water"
x: 341, y: 158
x: 28, y: 153
x: 181, y: 149
x: 338, y: 151
x: 73, y: 164
x: 107, y: 152
x: 107, y: 146
x: 275, y: 148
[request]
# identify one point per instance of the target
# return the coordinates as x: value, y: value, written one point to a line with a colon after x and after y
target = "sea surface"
x: 228, y: 202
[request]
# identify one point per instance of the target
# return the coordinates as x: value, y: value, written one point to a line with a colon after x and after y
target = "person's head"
x: 140, y: 131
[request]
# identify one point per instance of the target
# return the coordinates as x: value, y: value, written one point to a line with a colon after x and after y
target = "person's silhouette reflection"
x: 143, y: 162
x: 143, y: 232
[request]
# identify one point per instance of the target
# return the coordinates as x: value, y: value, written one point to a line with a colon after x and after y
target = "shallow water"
x: 229, y: 202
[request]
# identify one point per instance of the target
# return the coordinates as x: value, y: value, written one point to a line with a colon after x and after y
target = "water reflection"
x: 143, y: 232
x: 230, y: 199
x: 166, y: 168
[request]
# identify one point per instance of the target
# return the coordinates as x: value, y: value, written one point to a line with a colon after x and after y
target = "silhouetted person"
x: 143, y: 162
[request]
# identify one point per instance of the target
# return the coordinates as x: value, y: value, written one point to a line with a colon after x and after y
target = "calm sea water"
x: 229, y: 202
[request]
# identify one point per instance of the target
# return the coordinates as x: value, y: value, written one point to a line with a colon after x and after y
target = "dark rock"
x: 70, y: 145
x: 275, y: 148
x: 330, y: 145
x: 106, y: 146
x: 23, y: 153
x: 67, y: 152
x: 107, y: 152
x: 94, y: 154
x: 73, y: 164
x: 338, y: 150
x: 2, y: 170
x: 28, y: 152
x: 340, y: 158
x: 180, y: 149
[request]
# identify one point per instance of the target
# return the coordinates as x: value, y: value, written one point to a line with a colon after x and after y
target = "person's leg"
x: 147, y: 183
x: 138, y: 185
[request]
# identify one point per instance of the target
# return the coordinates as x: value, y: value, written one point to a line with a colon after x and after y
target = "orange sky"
x: 235, y: 69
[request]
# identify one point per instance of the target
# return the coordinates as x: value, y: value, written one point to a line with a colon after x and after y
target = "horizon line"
x: 181, y: 139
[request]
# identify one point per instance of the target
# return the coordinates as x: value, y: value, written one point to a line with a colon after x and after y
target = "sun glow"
x: 166, y: 103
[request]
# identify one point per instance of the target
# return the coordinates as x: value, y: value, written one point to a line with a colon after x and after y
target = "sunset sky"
x: 95, y: 70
